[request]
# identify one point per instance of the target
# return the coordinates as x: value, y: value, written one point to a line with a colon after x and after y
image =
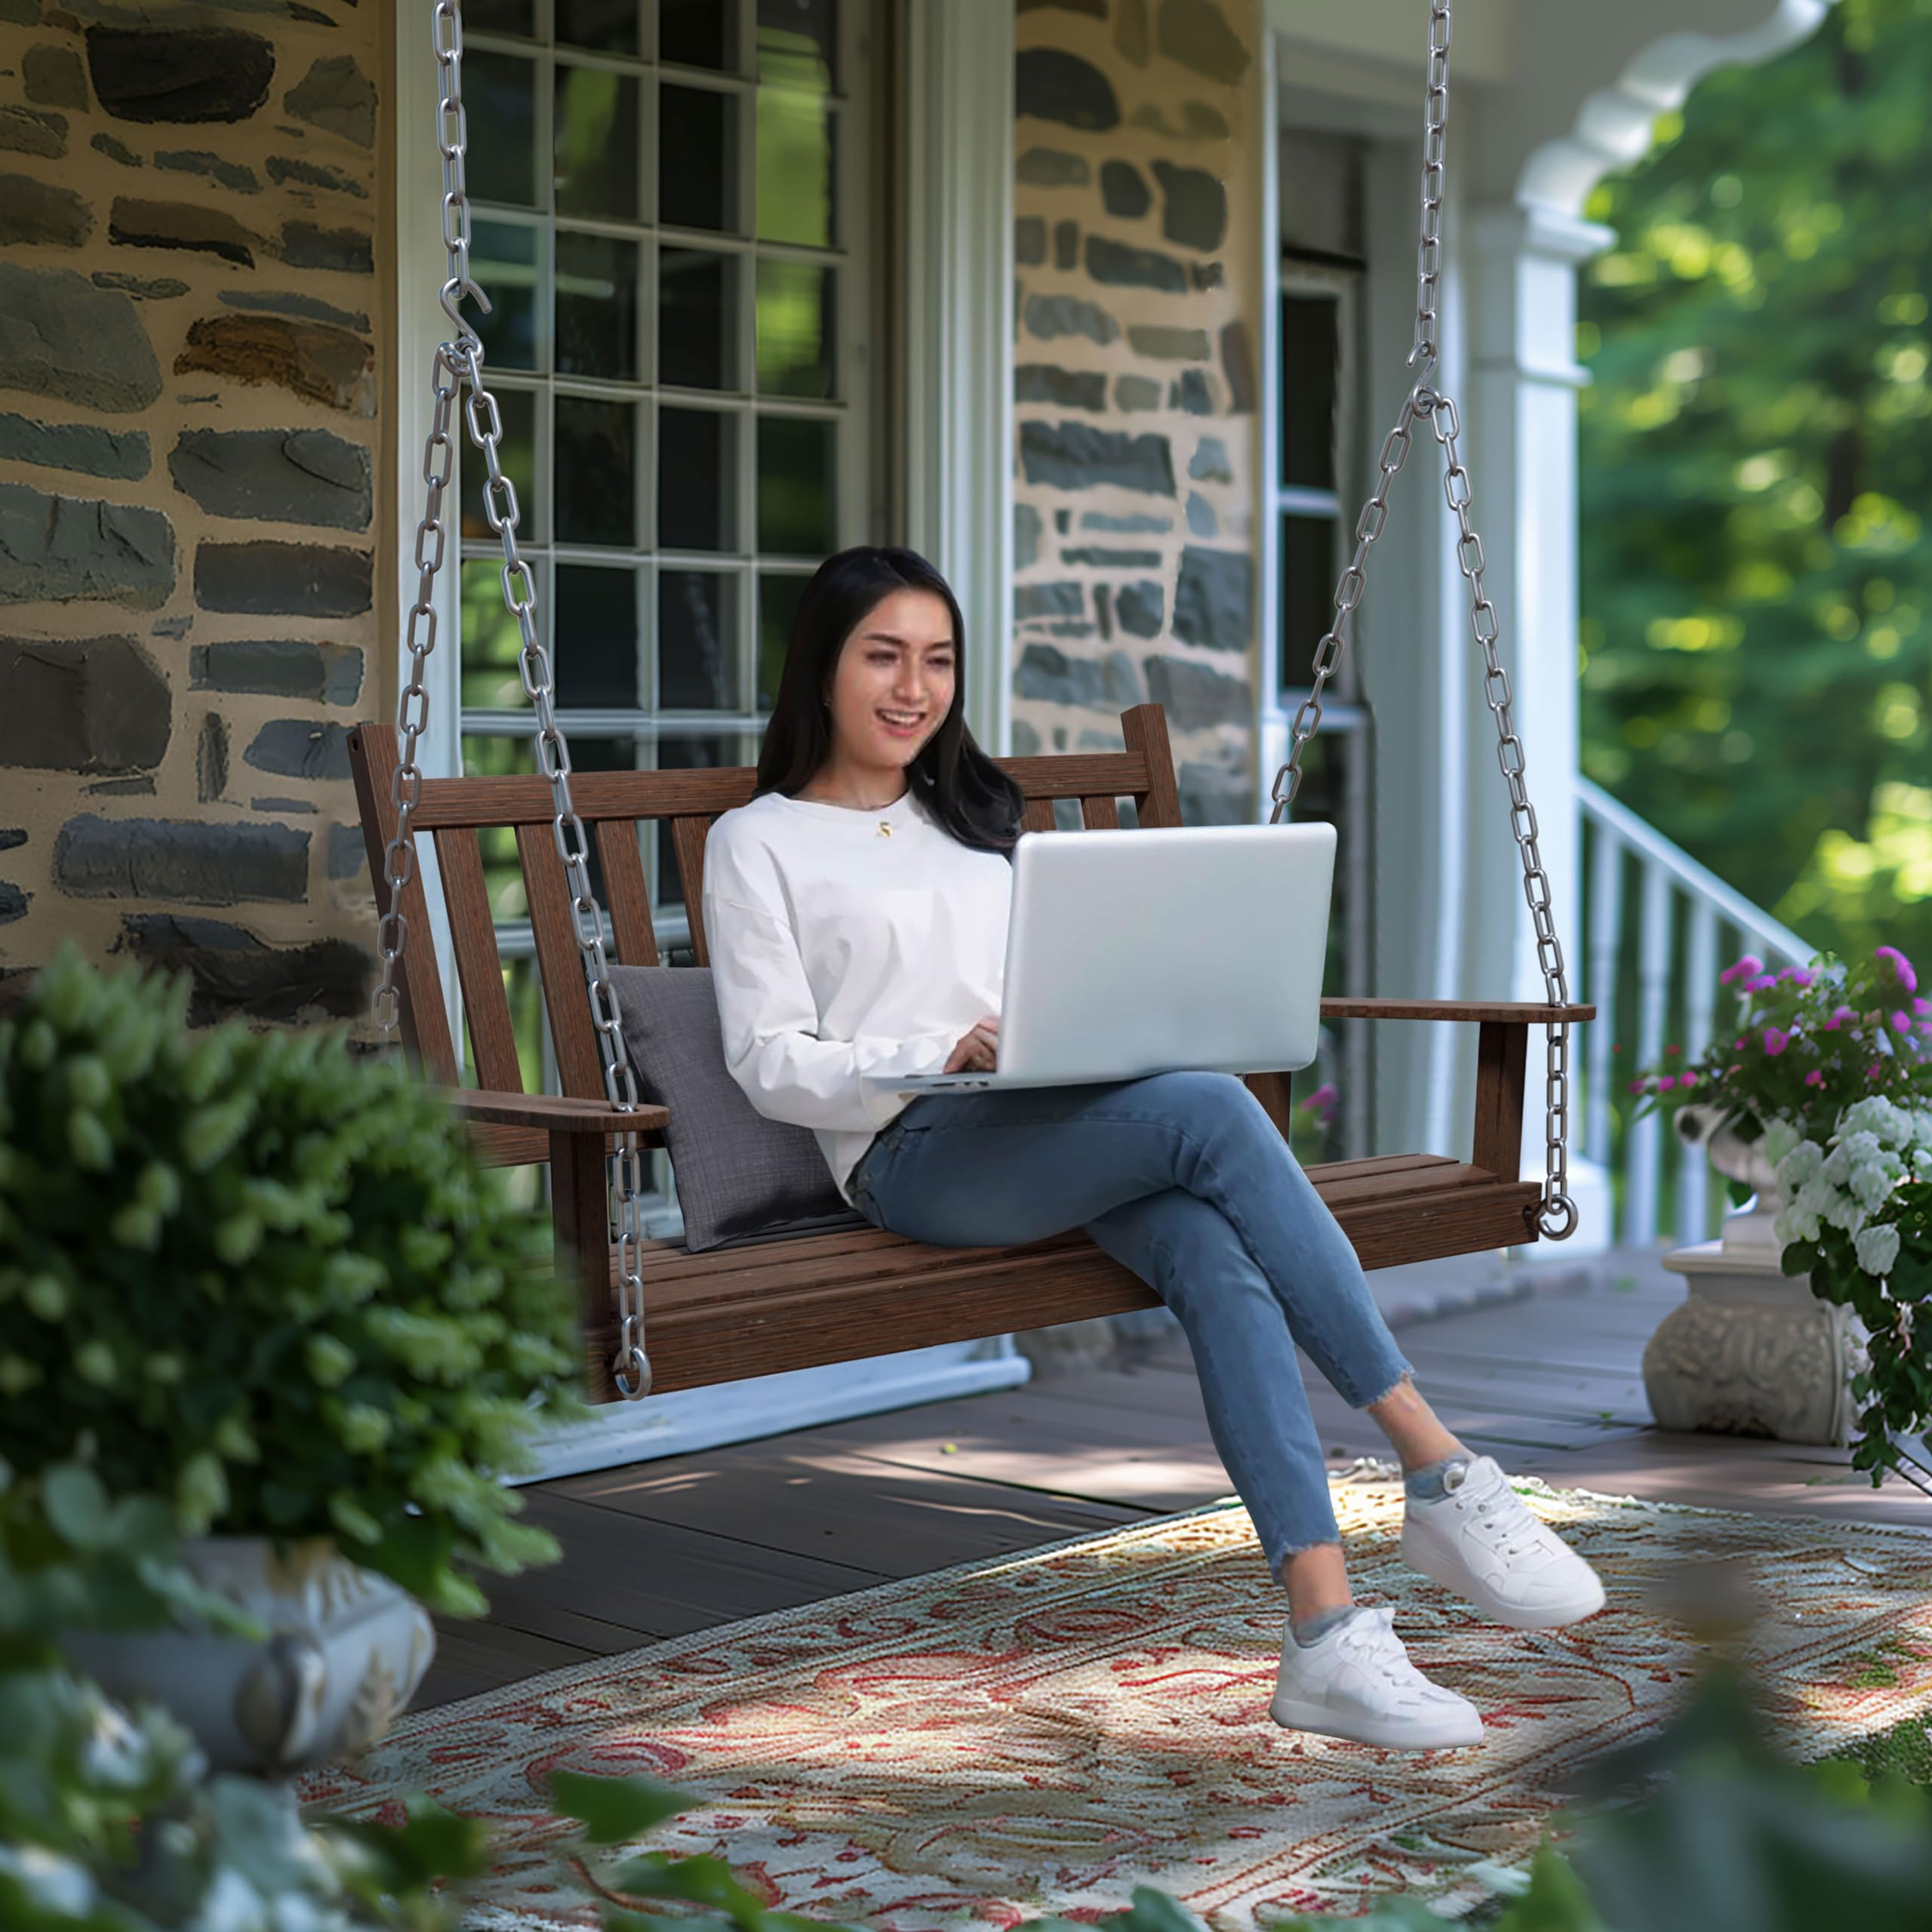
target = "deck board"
x: 1551, y: 1384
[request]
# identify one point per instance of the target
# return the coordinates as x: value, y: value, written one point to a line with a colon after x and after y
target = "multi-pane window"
x: 670, y: 226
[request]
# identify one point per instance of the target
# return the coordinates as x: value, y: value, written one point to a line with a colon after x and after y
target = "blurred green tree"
x: 1756, y: 453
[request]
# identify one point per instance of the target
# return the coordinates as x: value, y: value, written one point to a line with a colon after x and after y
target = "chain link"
x: 1555, y: 1213
x: 460, y: 361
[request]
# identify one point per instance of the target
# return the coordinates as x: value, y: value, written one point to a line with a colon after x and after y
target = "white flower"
x: 1799, y: 1164
x: 1795, y: 1224
x: 1780, y: 1138
x: 1878, y: 1249
x: 1872, y: 1180
x: 1847, y: 1213
x: 1875, y: 1115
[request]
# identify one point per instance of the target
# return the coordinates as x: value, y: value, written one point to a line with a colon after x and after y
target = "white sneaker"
x: 1357, y: 1683
x: 1481, y: 1541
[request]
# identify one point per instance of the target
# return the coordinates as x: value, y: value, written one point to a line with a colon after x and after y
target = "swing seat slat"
x: 796, y: 1301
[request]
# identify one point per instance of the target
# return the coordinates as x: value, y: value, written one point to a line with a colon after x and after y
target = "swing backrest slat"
x: 615, y: 806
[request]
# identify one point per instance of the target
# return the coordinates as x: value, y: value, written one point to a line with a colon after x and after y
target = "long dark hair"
x: 960, y: 787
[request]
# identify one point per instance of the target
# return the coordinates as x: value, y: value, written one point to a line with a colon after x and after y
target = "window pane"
x: 795, y: 182
x: 1311, y: 348
x: 490, y: 639
x: 697, y: 302
x: 698, y: 33
x: 503, y: 260
x: 778, y: 605
x: 597, y: 307
x: 513, y: 16
x: 596, y: 143
x: 798, y: 42
x: 610, y: 26
x: 499, y: 91
x: 705, y: 753
x: 697, y: 656
x: 595, y: 625
x: 516, y: 409
x: 697, y: 480
x: 596, y: 473
x: 794, y: 486
x: 794, y: 329
x: 1308, y: 594
x: 697, y: 159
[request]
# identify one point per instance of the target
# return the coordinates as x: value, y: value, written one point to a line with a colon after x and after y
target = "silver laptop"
x: 1148, y: 951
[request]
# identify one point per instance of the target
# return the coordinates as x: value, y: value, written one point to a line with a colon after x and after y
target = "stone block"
x: 348, y: 852
x: 1066, y: 244
x: 1125, y: 526
x: 231, y: 174
x: 1137, y: 394
x: 232, y: 972
x: 1076, y: 455
x: 279, y: 667
x: 211, y: 758
x: 304, y: 476
x: 1168, y: 344
x: 134, y: 223
x: 180, y: 76
x: 1071, y: 388
x: 95, y: 705
x: 1214, y: 600
x: 1025, y: 535
x: 1202, y: 520
x: 141, y: 287
x: 1196, y: 34
x: 1237, y: 362
x: 1213, y: 794
x: 303, y: 308
x: 13, y: 903
x: 292, y: 580
x: 1190, y: 393
x: 336, y: 251
x: 317, y: 360
x: 65, y: 549
x: 1029, y: 241
x: 1050, y: 168
x: 23, y: 131
x: 1124, y: 190
x: 1210, y: 463
x: 1140, y: 608
x: 1132, y: 36
x: 1101, y: 557
x: 285, y: 170
x: 1197, y: 120
x: 114, y: 150
x: 336, y: 95
x: 1198, y: 697
x: 1194, y: 206
x: 37, y: 214
x: 84, y: 447
x: 1052, y: 85
x: 1025, y: 740
x: 197, y: 862
x: 1116, y: 262
x: 54, y: 77
x: 1048, y: 316
x: 1046, y: 672
x: 300, y: 748
x: 1047, y: 600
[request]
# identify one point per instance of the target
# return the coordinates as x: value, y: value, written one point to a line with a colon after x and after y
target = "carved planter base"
x: 1752, y: 1352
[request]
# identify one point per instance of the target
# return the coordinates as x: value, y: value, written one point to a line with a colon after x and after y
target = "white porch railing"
x: 1657, y: 926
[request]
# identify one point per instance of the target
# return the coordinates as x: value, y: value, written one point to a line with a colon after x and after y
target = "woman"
x: 856, y: 911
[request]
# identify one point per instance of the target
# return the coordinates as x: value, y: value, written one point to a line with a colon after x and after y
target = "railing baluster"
x: 1644, y: 1144
x: 1606, y: 936
x: 1700, y: 967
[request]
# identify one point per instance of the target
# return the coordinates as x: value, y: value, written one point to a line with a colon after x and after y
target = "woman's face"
x: 894, y: 682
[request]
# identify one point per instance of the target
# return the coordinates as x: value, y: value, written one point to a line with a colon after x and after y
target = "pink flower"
x: 1734, y: 1070
x: 1814, y: 1078
x: 1686, y: 1079
x: 1743, y: 1040
x: 1760, y: 983
x: 1749, y: 964
x: 1922, y: 1007
x: 1901, y: 1023
x: 1796, y: 974
x: 1321, y: 1100
x: 1639, y: 1086
x: 1840, y: 1014
x: 1873, y: 1072
x: 1775, y: 1040
x: 1901, y: 966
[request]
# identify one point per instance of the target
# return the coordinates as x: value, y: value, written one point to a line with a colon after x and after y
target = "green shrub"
x: 265, y: 1275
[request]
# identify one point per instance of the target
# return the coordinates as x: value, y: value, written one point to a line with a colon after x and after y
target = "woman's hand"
x: 978, y: 1050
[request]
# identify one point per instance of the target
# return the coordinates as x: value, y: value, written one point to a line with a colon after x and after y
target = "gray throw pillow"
x: 739, y: 1176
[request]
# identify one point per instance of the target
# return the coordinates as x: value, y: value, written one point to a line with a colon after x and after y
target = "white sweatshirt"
x: 845, y: 942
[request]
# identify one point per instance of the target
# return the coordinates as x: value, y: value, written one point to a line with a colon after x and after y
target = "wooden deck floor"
x: 1550, y: 1384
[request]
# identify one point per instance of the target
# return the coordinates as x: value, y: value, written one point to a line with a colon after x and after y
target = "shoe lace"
x: 1501, y: 1516
x: 1370, y: 1640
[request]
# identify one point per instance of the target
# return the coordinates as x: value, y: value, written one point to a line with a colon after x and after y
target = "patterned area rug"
x: 1042, y: 1733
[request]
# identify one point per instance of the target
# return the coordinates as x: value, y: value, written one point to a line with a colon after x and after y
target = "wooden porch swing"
x: 796, y: 1302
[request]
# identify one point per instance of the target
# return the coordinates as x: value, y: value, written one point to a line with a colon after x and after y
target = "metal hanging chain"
x: 1555, y: 1213
x: 459, y: 361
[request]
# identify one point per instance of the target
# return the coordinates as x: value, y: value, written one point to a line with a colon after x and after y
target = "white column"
x: 1520, y: 443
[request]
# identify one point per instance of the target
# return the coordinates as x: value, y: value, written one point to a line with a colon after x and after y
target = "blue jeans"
x: 1182, y: 1178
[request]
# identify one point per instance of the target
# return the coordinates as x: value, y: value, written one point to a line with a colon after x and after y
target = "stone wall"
x: 188, y: 450
x: 1137, y: 240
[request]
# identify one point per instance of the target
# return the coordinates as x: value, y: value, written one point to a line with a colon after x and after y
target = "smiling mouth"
x: 902, y: 724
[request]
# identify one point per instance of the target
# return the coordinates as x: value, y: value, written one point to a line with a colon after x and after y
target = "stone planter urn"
x: 1752, y: 1352
x: 344, y: 1651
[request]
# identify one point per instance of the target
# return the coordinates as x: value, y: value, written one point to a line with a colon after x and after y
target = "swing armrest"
x: 1518, y: 1013
x: 554, y: 1113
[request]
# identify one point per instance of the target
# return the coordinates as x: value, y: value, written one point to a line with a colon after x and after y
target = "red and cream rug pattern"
x: 1040, y: 1734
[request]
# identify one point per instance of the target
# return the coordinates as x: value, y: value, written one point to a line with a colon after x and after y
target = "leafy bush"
x: 266, y: 1275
